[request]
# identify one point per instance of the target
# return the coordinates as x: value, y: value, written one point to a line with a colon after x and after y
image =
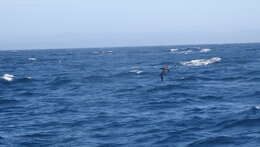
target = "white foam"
x: 257, y: 107
x: 177, y: 51
x: 136, y: 71
x: 205, y: 50
x: 29, y: 78
x: 174, y: 50
x: 186, y: 52
x: 200, y: 62
x: 32, y: 59
x: 103, y: 52
x: 8, y: 77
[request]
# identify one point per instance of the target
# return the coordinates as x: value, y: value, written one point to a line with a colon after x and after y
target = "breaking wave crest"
x: 8, y: 77
x: 205, y: 50
x: 201, y: 62
x: 136, y: 71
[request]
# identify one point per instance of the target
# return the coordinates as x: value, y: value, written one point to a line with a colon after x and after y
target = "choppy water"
x: 114, y: 97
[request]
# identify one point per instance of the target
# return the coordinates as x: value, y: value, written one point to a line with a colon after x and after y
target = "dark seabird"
x: 164, y: 69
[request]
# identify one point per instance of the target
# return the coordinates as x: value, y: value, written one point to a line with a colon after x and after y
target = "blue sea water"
x: 113, y: 97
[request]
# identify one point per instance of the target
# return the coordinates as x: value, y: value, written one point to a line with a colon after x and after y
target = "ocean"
x: 114, y: 97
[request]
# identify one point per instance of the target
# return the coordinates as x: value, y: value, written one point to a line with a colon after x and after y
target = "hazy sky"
x: 99, y: 23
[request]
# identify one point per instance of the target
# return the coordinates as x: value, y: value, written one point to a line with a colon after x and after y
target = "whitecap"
x: 29, y: 78
x: 186, y: 52
x: 257, y: 107
x: 8, y: 77
x: 32, y: 59
x: 136, y: 71
x: 174, y: 50
x: 178, y: 51
x: 205, y: 50
x: 103, y: 52
x: 200, y: 62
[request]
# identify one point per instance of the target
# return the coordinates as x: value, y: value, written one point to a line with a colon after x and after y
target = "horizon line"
x: 131, y: 46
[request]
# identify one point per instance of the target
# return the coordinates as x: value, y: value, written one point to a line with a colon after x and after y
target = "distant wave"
x: 205, y: 50
x: 136, y: 71
x: 181, y: 51
x: 186, y: 52
x: 189, y: 50
x: 32, y: 59
x: 200, y: 62
x: 103, y: 52
x: 174, y: 50
x: 218, y: 140
x: 177, y: 51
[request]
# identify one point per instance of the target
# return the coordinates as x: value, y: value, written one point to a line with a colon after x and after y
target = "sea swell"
x: 115, y: 97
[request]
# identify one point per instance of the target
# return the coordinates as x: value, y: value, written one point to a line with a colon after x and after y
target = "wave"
x: 186, y: 52
x: 257, y: 107
x: 189, y: 50
x: 205, y: 50
x: 211, y: 97
x: 252, y: 122
x: 97, y: 79
x: 136, y: 71
x: 32, y: 59
x: 124, y: 90
x: 174, y: 50
x: 200, y: 62
x: 218, y: 140
x: 7, y: 101
x: 23, y: 80
x: 8, y: 77
x: 11, y: 78
x: 102, y: 52
x: 180, y: 51
x: 29, y: 78
x: 60, y: 81
x: 167, y: 87
x: 249, y: 117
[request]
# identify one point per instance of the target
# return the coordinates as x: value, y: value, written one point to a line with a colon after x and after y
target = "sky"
x: 36, y: 24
